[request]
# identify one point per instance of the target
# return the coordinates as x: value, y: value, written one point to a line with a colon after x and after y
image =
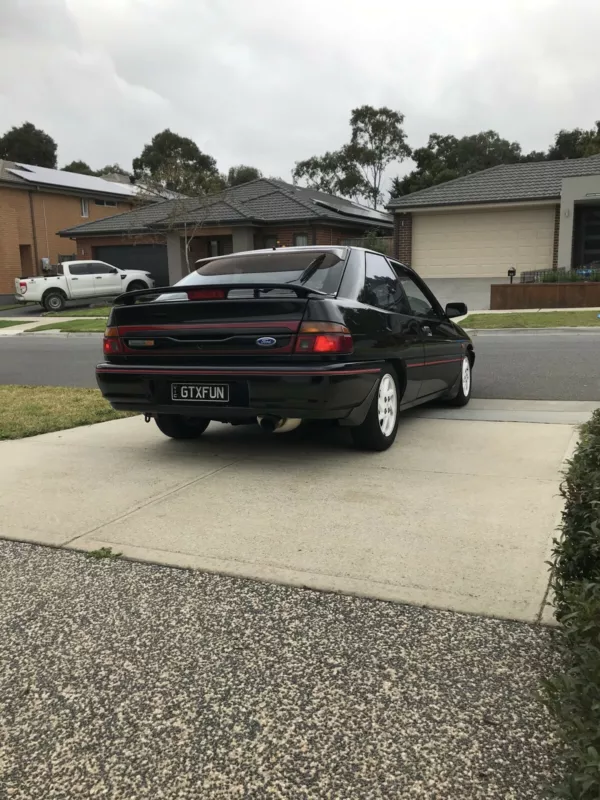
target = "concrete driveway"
x: 459, y: 514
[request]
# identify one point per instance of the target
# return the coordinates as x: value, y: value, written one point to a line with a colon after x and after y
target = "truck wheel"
x: 380, y: 426
x: 136, y: 286
x: 54, y: 301
x: 178, y: 427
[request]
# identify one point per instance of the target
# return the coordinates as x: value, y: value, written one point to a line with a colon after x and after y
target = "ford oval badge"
x: 266, y: 341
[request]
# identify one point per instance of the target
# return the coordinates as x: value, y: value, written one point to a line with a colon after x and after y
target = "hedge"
x: 573, y: 697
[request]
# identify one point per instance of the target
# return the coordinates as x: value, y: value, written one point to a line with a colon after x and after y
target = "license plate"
x: 200, y: 392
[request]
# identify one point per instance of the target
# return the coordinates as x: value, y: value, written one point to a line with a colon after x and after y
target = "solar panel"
x: 72, y: 180
x: 356, y: 210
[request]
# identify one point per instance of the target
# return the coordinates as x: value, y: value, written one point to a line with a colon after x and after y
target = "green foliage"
x: 332, y: 173
x: 447, y: 157
x: 242, y: 174
x: 574, y: 696
x: 356, y: 170
x: 103, y: 553
x: 577, y: 143
x: 175, y: 163
x: 28, y: 145
x: 111, y: 169
x: 373, y: 241
x: 569, y: 276
x: 80, y: 167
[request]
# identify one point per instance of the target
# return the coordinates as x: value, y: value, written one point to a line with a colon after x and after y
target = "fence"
x: 576, y: 275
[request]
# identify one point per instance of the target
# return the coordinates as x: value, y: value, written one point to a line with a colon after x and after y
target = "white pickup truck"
x: 80, y: 280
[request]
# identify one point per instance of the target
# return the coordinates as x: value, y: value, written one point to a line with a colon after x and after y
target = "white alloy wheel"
x: 466, y: 376
x: 387, y: 404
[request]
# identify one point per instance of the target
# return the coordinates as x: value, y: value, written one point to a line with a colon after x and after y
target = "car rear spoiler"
x: 130, y: 298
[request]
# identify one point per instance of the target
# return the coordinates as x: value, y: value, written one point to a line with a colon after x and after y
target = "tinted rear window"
x: 277, y: 266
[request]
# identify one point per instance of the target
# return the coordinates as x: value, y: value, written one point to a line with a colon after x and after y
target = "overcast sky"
x: 269, y: 82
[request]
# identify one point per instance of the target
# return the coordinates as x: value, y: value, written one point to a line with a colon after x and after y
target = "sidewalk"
x: 27, y: 325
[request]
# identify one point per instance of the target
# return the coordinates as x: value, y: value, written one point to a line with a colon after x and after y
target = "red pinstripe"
x: 233, y: 376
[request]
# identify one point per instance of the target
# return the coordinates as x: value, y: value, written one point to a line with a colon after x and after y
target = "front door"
x: 107, y: 279
x: 442, y: 342
x: 388, y: 330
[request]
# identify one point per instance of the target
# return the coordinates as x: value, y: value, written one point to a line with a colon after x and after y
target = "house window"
x: 85, y: 208
x: 301, y: 240
x: 111, y: 203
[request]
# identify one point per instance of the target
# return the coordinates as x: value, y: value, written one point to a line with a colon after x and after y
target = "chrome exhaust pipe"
x: 271, y: 424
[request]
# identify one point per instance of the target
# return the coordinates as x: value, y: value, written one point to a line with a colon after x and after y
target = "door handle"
x: 98, y: 277
x: 74, y: 279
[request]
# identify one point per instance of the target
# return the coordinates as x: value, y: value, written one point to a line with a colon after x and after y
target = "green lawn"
x: 533, y: 319
x: 74, y: 326
x: 6, y: 323
x: 29, y: 410
x: 100, y: 311
x: 12, y: 306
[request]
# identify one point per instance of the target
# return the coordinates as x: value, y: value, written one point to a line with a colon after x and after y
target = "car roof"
x: 86, y: 261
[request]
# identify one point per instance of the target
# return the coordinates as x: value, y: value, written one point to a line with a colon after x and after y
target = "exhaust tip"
x: 269, y: 424
x: 278, y: 424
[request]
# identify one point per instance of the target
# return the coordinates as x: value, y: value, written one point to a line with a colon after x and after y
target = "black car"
x: 285, y: 335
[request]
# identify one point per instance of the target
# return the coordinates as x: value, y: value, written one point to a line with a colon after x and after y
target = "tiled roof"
x: 537, y: 180
x: 258, y: 202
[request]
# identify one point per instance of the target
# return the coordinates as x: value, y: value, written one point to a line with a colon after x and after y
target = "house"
x: 168, y: 237
x: 36, y: 202
x: 525, y: 216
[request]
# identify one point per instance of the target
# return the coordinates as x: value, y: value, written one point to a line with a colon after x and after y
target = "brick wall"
x: 15, y: 230
x: 403, y: 238
x: 555, y: 239
x: 53, y: 212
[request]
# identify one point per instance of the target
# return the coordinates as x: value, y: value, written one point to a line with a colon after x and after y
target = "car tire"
x: 378, y: 430
x: 54, y: 301
x: 137, y: 286
x: 465, y: 383
x: 177, y: 427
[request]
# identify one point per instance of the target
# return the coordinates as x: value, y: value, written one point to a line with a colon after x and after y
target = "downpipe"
x: 271, y: 424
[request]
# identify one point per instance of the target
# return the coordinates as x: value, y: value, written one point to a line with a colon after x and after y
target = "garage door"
x: 482, y: 244
x: 151, y: 258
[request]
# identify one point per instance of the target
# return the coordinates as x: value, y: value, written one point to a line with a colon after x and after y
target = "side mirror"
x: 456, y: 310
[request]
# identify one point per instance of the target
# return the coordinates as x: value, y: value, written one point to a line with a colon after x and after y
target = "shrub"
x: 574, y: 696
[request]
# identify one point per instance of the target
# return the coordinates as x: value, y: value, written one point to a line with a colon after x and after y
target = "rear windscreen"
x: 276, y: 266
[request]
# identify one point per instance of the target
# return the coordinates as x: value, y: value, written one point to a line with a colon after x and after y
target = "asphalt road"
x: 539, y: 365
x: 127, y: 680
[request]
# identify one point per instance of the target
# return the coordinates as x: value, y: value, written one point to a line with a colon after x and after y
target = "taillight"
x: 111, y: 343
x: 23, y: 286
x: 324, y: 338
x: 206, y: 294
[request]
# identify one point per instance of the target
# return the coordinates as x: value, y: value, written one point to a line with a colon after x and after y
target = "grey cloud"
x: 269, y: 82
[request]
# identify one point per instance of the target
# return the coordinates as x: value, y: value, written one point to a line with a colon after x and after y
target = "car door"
x: 443, y: 344
x: 81, y: 282
x: 107, y: 279
x: 386, y: 328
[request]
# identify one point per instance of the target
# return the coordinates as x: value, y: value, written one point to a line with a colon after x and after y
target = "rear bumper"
x: 313, y: 391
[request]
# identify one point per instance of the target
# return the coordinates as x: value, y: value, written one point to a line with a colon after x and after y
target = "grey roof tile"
x: 261, y: 202
x: 538, y: 180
